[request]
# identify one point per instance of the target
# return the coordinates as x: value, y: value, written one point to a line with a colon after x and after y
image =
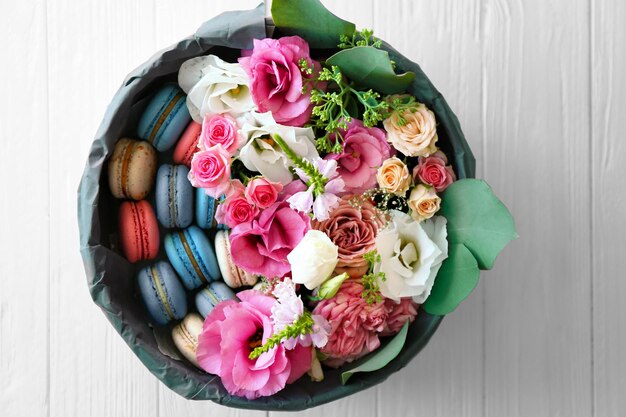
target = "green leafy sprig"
x: 332, y: 110
x: 364, y: 37
x: 400, y: 104
x: 302, y: 326
x: 371, y: 280
x: 315, y: 177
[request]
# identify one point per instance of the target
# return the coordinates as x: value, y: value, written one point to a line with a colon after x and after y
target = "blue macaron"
x: 192, y: 256
x: 174, y: 196
x: 165, y: 118
x: 162, y: 293
x: 210, y: 296
x: 205, y: 209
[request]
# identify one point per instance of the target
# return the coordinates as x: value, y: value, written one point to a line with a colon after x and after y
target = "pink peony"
x: 276, y: 80
x: 220, y: 129
x: 263, y: 192
x: 353, y: 230
x: 210, y: 170
x: 364, y: 150
x: 357, y: 325
x: 261, y: 247
x: 433, y: 170
x: 235, y: 208
x: 231, y: 331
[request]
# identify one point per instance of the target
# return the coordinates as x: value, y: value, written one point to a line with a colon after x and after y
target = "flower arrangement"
x: 340, y: 204
x: 335, y: 193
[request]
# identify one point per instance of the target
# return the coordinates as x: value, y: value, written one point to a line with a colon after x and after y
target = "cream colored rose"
x: 416, y: 135
x: 393, y: 176
x: 424, y: 202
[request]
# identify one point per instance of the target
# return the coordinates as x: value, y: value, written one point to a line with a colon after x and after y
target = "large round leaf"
x: 478, y: 220
x: 456, y: 279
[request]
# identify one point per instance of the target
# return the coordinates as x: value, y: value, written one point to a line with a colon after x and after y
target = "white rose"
x: 261, y: 154
x: 411, y: 254
x: 214, y: 86
x: 313, y: 260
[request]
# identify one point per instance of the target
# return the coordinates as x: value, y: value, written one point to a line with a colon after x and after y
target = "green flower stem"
x: 302, y: 326
x: 315, y: 177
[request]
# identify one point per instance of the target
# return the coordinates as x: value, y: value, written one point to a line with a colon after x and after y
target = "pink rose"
x: 357, y: 325
x: 364, y: 150
x: 263, y: 192
x: 220, y: 129
x: 261, y: 247
x: 235, y: 208
x: 432, y: 170
x: 231, y: 331
x: 210, y: 170
x: 276, y: 80
x: 353, y: 230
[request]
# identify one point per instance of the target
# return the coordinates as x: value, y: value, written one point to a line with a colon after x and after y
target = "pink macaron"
x: 187, y: 145
x: 139, y: 231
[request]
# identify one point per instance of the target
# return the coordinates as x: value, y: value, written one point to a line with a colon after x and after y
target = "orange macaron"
x: 139, y: 231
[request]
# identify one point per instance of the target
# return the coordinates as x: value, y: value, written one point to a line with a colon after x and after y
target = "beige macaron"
x: 232, y: 275
x: 132, y: 169
x: 185, y: 336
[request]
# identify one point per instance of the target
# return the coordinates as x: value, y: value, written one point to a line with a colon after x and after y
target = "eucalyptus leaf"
x: 381, y: 357
x: 456, y: 279
x: 371, y: 67
x: 477, y: 219
x: 310, y: 20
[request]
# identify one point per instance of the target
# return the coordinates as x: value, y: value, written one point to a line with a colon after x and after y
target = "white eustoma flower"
x: 262, y: 154
x: 214, y: 86
x: 411, y: 254
x: 313, y: 260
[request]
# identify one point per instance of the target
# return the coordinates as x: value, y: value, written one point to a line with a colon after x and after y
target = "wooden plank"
x: 536, y: 117
x: 443, y: 37
x: 92, y: 46
x: 24, y: 211
x: 608, y: 101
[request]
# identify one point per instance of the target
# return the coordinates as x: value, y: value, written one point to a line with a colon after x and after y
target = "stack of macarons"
x: 192, y: 264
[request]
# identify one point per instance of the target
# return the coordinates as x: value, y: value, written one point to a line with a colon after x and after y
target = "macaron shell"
x: 185, y: 336
x: 232, y: 275
x: 191, y: 254
x: 174, y: 196
x: 165, y: 118
x: 207, y: 298
x: 205, y: 209
x: 162, y: 293
x: 132, y: 169
x: 139, y: 231
x: 187, y: 145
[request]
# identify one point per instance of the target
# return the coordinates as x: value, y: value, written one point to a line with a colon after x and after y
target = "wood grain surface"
x: 539, y: 89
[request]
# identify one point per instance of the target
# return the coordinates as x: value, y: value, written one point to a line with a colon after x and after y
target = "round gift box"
x: 111, y: 277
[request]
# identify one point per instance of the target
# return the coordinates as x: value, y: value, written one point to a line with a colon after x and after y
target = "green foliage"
x: 315, y: 177
x: 371, y: 280
x: 302, y: 326
x: 371, y: 68
x: 310, y: 20
x: 381, y: 357
x: 363, y: 38
x: 456, y: 279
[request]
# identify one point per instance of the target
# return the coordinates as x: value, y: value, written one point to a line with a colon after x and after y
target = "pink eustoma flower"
x: 276, y: 80
x: 231, y: 331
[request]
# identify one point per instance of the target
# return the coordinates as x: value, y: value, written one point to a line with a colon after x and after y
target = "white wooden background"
x: 540, y: 89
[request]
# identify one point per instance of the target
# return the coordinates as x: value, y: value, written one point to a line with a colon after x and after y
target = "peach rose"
x: 353, y: 230
x: 393, y: 176
x: 413, y: 133
x: 424, y: 202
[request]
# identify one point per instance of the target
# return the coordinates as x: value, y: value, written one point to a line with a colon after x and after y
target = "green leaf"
x: 380, y: 358
x: 477, y: 219
x: 456, y: 279
x: 310, y: 20
x: 371, y: 67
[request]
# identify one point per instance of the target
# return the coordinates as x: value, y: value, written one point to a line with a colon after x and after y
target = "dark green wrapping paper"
x: 111, y: 278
